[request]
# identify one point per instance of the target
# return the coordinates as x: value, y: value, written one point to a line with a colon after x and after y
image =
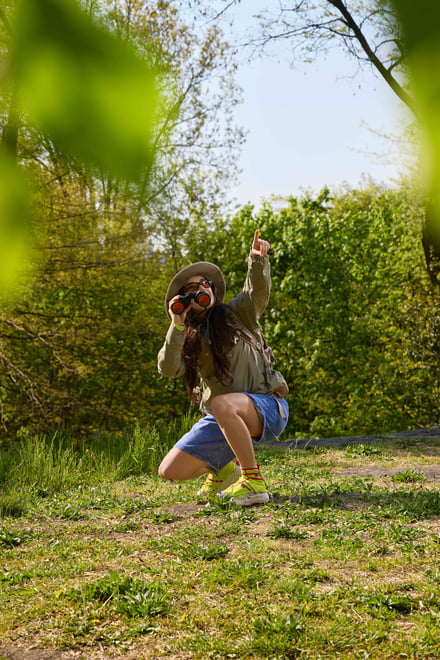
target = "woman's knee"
x: 169, y: 469
x: 180, y: 466
x: 221, y: 404
x: 165, y: 472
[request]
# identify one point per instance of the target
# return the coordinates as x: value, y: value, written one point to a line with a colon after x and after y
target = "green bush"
x: 352, y: 318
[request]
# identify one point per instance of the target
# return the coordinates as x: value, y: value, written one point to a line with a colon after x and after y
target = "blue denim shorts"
x: 206, y: 441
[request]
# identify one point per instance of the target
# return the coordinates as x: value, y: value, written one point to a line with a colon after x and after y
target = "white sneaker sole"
x: 251, y: 499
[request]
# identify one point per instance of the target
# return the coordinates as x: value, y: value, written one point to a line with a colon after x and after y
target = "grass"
x: 99, y: 556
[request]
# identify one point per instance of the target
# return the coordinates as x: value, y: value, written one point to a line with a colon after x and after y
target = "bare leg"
x: 180, y: 466
x: 239, y: 421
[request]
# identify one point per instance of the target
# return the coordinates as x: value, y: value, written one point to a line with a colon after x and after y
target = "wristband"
x: 179, y: 327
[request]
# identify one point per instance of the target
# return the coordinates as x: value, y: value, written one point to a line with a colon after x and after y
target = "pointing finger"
x: 256, y: 243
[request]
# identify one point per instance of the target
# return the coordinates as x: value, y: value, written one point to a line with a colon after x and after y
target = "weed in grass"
x: 297, y: 591
x: 15, y: 577
x: 409, y: 476
x: 250, y: 574
x: 316, y: 451
x: 60, y: 507
x: 11, y: 540
x: 316, y: 575
x: 162, y: 517
x: 410, y: 548
x: 340, y: 541
x: 327, y: 495
x: 316, y: 516
x: 97, y: 500
x: 13, y: 505
x: 415, y: 504
x: 130, y: 506
x: 219, y: 505
x: 233, y: 516
x: 300, y: 583
x: 186, y: 543
x: 283, y: 531
x: 128, y: 596
x: 401, y: 533
x: 379, y: 604
x: 290, y: 624
x: 139, y: 599
x: 71, y: 512
x: 434, y: 575
x: 320, y: 498
x: 352, y: 451
x: 275, y: 636
x: 382, y: 549
x: 205, y: 551
x: 126, y: 525
x: 233, y: 525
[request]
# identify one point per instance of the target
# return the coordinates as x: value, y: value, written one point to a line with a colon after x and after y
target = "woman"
x: 220, y: 347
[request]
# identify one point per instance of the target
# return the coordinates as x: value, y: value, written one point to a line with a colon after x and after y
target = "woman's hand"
x: 259, y: 247
x: 178, y: 319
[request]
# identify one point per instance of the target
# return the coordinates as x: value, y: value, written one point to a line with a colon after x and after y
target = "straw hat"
x: 202, y: 268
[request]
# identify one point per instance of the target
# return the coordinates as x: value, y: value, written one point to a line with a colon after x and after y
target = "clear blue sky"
x: 311, y: 125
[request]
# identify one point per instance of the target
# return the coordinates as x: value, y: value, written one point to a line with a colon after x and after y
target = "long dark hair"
x: 221, y: 327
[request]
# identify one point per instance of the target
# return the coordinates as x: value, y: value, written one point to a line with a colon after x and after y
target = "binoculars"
x: 201, y: 297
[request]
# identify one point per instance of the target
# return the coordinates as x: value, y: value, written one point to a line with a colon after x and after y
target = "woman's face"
x: 196, y: 284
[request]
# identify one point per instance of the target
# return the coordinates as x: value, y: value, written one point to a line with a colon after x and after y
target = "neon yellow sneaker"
x: 215, y: 483
x: 248, y: 490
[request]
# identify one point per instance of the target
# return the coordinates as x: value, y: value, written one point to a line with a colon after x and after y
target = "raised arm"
x: 251, y: 302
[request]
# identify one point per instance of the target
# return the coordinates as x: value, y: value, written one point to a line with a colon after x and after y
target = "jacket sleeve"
x: 251, y: 302
x: 169, y: 358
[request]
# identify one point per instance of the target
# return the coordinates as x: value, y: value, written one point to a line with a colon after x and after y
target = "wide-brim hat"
x: 202, y: 268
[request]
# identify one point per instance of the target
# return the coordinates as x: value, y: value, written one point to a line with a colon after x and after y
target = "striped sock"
x: 252, y: 473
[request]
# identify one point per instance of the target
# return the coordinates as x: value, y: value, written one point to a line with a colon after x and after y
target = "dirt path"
x: 415, y: 435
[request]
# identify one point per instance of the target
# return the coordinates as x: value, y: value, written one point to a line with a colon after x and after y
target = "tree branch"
x: 384, y: 72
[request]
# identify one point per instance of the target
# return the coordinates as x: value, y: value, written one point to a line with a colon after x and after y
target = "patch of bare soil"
x: 415, y: 435
x: 34, y: 653
x: 431, y: 472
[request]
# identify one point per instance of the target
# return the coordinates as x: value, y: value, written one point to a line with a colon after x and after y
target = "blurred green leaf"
x: 420, y: 22
x: 14, y: 224
x: 84, y: 87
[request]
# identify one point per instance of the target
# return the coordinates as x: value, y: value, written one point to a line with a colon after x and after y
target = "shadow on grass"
x: 417, y: 504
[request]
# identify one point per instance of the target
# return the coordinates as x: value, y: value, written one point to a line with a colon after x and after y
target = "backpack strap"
x: 261, y: 345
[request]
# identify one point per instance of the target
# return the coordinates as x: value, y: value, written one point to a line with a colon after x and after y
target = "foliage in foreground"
x: 342, y: 563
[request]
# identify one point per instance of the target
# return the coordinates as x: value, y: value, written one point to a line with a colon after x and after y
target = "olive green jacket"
x: 249, y: 360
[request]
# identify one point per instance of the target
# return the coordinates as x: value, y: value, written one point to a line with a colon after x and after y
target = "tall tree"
x: 398, y: 39
x: 196, y: 139
x: 369, y: 32
x: 78, y: 347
